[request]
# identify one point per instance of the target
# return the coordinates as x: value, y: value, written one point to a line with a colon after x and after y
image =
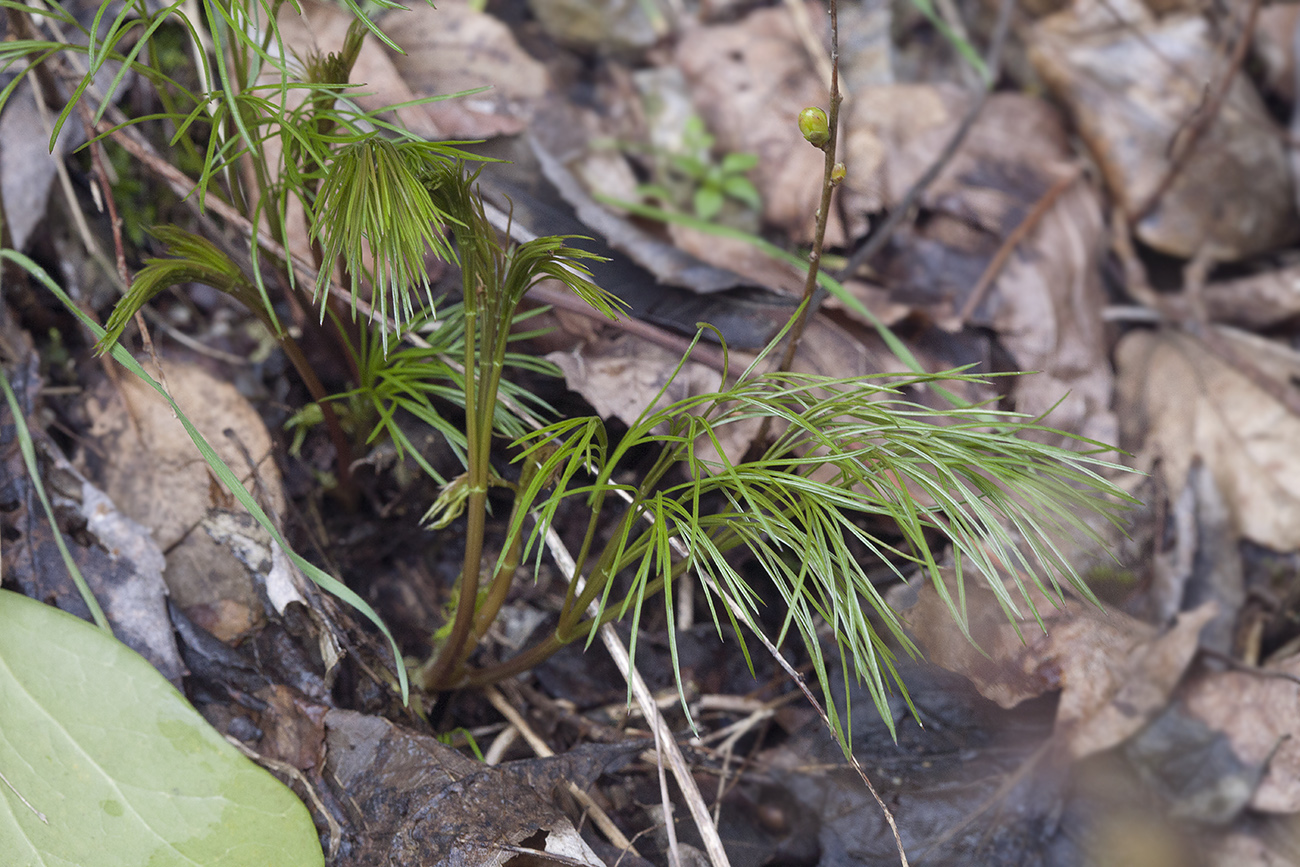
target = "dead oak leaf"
x: 1185, y: 404
x: 1115, y: 673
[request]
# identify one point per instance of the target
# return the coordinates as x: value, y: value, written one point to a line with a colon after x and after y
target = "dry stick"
x: 1182, y: 147
x: 901, y: 211
x: 664, y: 740
x: 496, y: 751
x: 598, y: 816
x: 1013, y: 240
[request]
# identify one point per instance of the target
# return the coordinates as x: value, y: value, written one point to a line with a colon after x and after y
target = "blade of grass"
x: 29, y: 460
x: 220, y: 469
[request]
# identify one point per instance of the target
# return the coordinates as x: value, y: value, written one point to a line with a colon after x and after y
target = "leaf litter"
x: 1004, y: 262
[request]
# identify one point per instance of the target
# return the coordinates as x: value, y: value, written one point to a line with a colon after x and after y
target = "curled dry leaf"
x: 1185, y: 403
x: 1115, y: 673
x: 1134, y: 84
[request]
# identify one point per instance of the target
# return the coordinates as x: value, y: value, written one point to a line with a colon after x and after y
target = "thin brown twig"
x: 823, y: 209
x: 598, y: 816
x: 762, y: 437
x: 1184, y: 141
x: 1013, y: 240
x: 903, y: 208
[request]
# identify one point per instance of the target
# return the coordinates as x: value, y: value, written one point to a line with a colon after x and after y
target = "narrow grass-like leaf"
x: 219, y: 468
x: 24, y: 437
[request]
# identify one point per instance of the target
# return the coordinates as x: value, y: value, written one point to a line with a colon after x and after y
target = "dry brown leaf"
x: 1255, y: 846
x: 421, y: 802
x: 740, y: 257
x: 1274, y: 48
x: 1258, y: 301
x: 156, y: 475
x: 1115, y: 673
x: 1133, y: 85
x: 1260, y: 714
x: 1185, y: 404
x: 891, y: 135
x: 749, y: 81
x: 1046, y: 302
x: 620, y: 377
x: 293, y: 727
x: 454, y: 48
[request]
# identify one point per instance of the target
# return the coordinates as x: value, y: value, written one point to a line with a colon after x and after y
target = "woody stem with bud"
x: 821, y: 131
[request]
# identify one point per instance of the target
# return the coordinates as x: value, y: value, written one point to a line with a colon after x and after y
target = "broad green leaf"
x: 708, y: 201
x: 733, y: 163
x: 103, y: 763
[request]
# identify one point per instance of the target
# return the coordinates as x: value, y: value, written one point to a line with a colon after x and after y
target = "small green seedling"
x: 693, y: 174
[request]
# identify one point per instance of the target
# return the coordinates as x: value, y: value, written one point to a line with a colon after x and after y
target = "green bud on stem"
x: 814, y: 126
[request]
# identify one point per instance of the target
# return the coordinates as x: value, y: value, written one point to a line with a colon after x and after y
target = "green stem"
x: 439, y: 672
x: 575, y: 603
x: 819, y: 233
x: 823, y: 210
x: 548, y: 646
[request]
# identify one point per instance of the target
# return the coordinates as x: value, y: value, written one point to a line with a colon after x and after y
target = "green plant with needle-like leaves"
x: 839, y: 460
x: 269, y: 129
x: 422, y: 379
x: 850, y: 450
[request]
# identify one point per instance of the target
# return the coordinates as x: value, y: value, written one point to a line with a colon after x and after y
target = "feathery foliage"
x: 857, y: 474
